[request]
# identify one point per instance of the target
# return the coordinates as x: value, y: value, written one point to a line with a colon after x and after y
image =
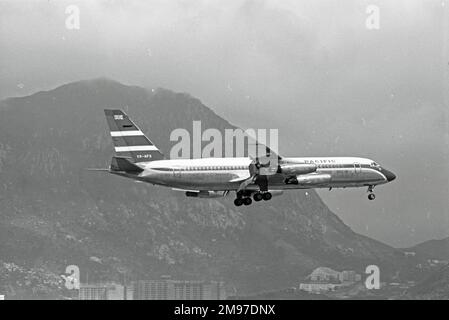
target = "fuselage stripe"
x: 126, y: 133
x: 136, y: 148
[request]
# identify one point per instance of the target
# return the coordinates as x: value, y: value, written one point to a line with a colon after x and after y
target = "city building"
x: 152, y: 290
x: 324, y: 279
x: 168, y: 289
x: 324, y: 274
x: 349, y: 276
x: 317, y: 287
x: 93, y: 292
x: 104, y: 291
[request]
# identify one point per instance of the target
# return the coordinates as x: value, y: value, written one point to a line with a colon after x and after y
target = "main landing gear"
x: 371, y: 195
x: 245, y: 199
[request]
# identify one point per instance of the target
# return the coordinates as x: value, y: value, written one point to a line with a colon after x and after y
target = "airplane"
x: 136, y: 157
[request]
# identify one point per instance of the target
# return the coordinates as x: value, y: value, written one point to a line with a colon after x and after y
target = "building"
x: 349, y: 276
x: 324, y: 279
x: 318, y: 287
x: 214, y: 290
x: 168, y: 289
x: 151, y: 290
x: 324, y: 274
x: 93, y: 292
x: 104, y: 291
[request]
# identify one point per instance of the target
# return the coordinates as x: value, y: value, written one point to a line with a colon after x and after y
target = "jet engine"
x: 309, y: 179
x: 297, y: 168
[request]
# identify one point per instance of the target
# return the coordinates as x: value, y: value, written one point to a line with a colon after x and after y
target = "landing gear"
x: 246, y: 201
x: 266, y: 196
x: 245, y: 198
x: 371, y: 195
x: 257, y: 196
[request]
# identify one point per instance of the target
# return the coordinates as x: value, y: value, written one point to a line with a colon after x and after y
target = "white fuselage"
x: 222, y: 174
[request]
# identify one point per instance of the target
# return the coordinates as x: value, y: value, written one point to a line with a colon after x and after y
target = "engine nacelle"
x: 205, y: 194
x: 297, y: 168
x: 310, y: 179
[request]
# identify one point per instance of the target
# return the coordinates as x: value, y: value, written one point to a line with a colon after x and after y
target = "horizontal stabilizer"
x: 124, y: 164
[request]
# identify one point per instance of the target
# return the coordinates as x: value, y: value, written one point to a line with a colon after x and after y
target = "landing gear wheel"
x: 257, y: 196
x: 238, y: 202
x: 247, y: 201
x: 266, y: 196
x: 371, y: 196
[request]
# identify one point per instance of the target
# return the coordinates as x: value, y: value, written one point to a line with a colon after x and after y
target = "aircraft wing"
x: 238, y: 177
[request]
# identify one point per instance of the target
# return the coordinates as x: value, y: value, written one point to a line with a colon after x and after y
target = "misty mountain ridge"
x: 431, y: 249
x: 54, y: 213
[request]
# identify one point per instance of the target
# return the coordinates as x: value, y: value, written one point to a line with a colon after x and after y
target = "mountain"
x: 434, y: 287
x: 432, y: 249
x: 54, y: 213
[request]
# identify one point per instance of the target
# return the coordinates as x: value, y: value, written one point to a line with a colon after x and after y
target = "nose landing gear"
x: 371, y: 195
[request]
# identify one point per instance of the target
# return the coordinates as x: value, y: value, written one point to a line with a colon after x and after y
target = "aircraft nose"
x: 389, y: 175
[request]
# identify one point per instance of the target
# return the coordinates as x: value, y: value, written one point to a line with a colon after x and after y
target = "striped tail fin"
x: 129, y: 141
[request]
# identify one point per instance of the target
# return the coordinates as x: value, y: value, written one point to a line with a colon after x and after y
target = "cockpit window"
x: 374, y: 164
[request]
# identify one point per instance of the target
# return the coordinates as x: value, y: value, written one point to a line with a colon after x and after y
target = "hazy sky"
x: 310, y: 68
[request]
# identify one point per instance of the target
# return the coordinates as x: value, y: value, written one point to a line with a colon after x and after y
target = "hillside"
x: 434, y: 287
x: 432, y: 249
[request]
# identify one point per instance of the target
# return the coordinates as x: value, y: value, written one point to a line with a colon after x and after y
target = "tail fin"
x: 129, y: 141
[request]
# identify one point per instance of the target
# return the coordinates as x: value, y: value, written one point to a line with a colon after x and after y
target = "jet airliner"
x: 139, y: 159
